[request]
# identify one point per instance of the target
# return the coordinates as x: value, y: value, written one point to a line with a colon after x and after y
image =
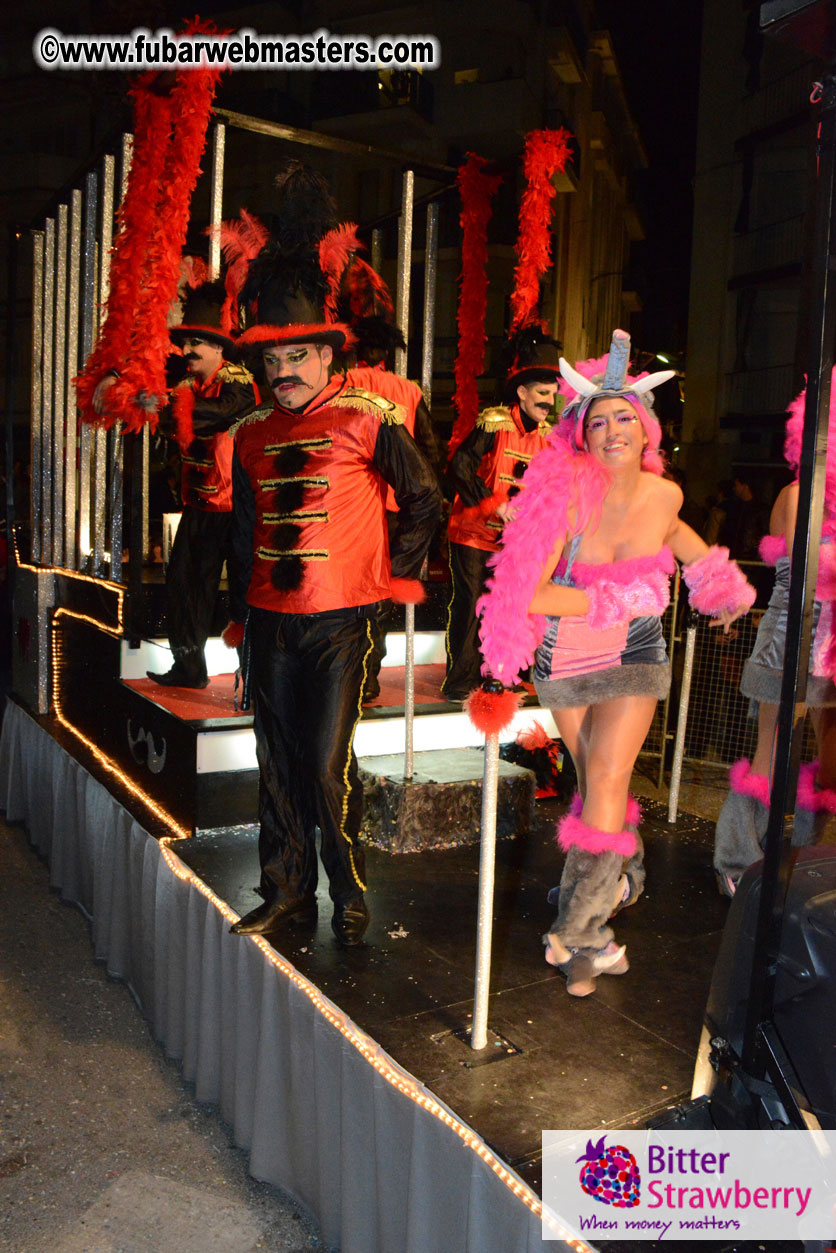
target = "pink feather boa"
x: 792, y: 449
x: 772, y: 547
x: 573, y: 832
x: 747, y: 784
x: 557, y: 478
x: 716, y: 583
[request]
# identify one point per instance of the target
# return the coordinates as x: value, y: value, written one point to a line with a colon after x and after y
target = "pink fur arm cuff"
x: 717, y: 584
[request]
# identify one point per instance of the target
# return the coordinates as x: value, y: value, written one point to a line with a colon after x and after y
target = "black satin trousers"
x: 307, y: 675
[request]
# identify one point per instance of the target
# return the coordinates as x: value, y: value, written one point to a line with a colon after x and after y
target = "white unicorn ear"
x: 583, y: 386
x: 652, y: 380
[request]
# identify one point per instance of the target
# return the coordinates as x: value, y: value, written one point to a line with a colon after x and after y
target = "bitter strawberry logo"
x: 610, y: 1175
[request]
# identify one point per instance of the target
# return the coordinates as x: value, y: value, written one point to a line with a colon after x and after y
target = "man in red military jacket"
x: 484, y: 473
x: 312, y: 563
x: 215, y: 393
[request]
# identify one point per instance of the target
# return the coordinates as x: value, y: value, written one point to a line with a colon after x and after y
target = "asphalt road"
x: 103, y: 1148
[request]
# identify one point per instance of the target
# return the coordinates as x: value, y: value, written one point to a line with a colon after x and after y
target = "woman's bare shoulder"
x: 665, y: 491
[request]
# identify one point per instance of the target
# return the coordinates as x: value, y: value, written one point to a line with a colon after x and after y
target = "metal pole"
x: 216, y: 200
x: 71, y: 435
x: 60, y: 392
x: 487, y: 865
x: 36, y: 391
x: 682, y: 720
x: 430, y: 274
x: 404, y: 266
x: 113, y: 503
x: 14, y: 237
x: 402, y: 318
x: 377, y: 249
x: 409, y: 693
x: 666, y: 708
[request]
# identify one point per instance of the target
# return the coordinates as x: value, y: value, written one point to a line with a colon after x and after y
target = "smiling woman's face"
x: 613, y: 432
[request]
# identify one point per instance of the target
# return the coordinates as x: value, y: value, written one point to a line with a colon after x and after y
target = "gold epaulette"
x: 232, y: 373
x: 369, y: 402
x: 496, y: 419
x: 257, y: 415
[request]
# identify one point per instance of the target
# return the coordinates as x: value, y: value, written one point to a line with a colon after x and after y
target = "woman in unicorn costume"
x: 578, y: 589
x: 741, y: 825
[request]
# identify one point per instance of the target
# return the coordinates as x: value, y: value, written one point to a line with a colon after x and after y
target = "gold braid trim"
x: 369, y: 402
x: 257, y: 415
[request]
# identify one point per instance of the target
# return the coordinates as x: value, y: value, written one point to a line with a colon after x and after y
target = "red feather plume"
x: 492, y: 712
x: 241, y: 240
x: 335, y: 251
x: 368, y: 292
x: 546, y: 153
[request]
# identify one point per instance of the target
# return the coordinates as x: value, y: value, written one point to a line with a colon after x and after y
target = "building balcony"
x: 759, y: 393
x: 776, y: 102
x: 769, y: 248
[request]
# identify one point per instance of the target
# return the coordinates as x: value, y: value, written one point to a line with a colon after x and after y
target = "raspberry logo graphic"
x: 610, y: 1175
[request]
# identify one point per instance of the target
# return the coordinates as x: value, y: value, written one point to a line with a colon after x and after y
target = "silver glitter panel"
x: 430, y: 276
x: 104, y: 475
x: 216, y: 199
x: 36, y: 388
x: 404, y: 265
x: 682, y: 722
x: 115, y: 438
x: 88, y: 320
x: 60, y: 393
x: 487, y: 865
x: 71, y: 430
x: 46, y: 465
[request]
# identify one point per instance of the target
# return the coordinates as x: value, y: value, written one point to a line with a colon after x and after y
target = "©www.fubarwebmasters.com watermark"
x: 243, y: 50
x: 689, y: 1185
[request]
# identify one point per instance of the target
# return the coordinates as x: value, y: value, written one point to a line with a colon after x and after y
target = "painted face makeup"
x: 296, y: 373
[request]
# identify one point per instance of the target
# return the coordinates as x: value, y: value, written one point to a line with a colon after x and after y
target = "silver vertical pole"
x: 88, y: 316
x: 430, y: 275
x: 404, y: 266
x: 71, y: 437
x: 216, y: 200
x: 666, y: 708
x: 377, y: 249
x: 682, y: 721
x: 402, y: 318
x: 487, y: 866
x: 47, y: 423
x: 60, y: 392
x: 117, y: 491
x: 146, y: 474
x: 36, y: 390
x: 113, y: 510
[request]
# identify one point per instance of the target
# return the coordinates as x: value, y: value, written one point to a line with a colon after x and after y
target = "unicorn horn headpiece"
x: 593, y: 380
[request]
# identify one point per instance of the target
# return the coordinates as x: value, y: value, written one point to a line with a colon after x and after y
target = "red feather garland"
x: 546, y: 153
x: 152, y: 118
x: 182, y: 408
x: 477, y: 189
x: 148, y: 248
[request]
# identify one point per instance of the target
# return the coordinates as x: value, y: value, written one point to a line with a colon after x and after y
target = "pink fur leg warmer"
x: 809, y: 796
x: 717, y: 584
x: 747, y: 784
x: 572, y: 832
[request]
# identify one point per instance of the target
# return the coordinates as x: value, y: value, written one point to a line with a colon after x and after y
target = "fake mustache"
x: 288, y: 380
x: 191, y: 356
